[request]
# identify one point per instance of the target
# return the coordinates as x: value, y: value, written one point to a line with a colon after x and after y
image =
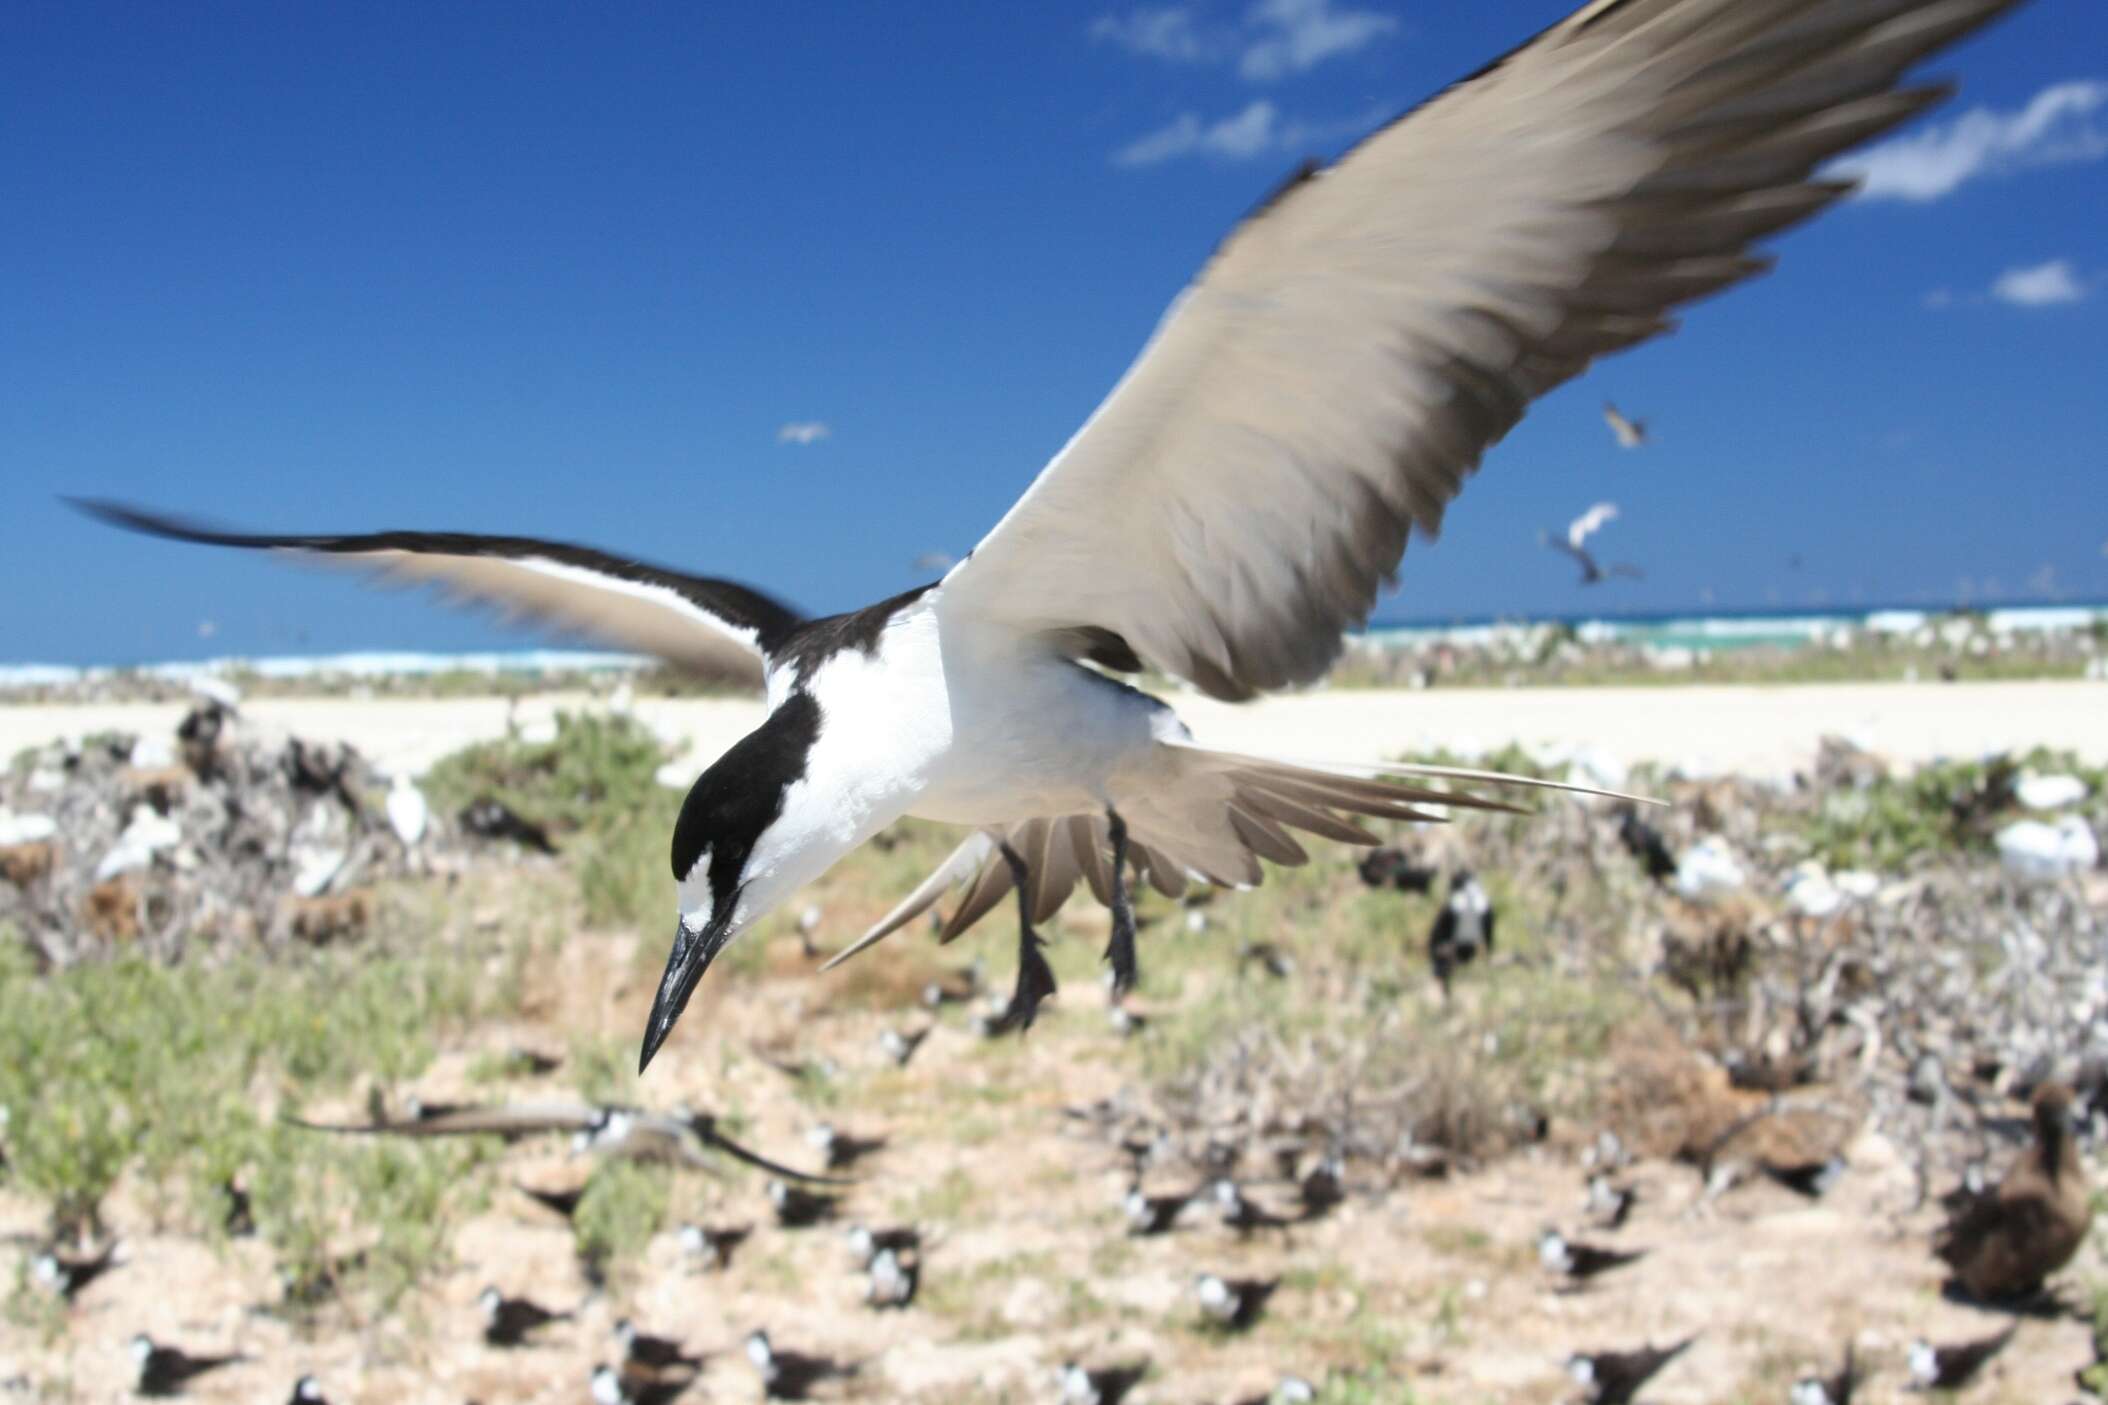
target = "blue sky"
x: 574, y: 270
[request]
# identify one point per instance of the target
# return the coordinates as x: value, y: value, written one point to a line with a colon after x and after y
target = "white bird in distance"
x: 1630, y: 433
x: 1320, y: 393
x: 1578, y: 532
x: 802, y: 432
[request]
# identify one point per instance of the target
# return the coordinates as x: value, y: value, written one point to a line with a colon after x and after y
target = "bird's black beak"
x: 692, y: 954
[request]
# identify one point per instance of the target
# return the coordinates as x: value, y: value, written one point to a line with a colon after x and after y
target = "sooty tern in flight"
x: 1322, y: 389
x: 1573, y: 544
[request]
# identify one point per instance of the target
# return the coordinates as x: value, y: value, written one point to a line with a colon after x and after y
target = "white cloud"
x: 1245, y: 134
x: 2058, y: 126
x: 802, y: 432
x: 1169, y: 33
x: 1275, y: 38
x: 1300, y: 34
x: 1258, y: 129
x: 2049, y: 284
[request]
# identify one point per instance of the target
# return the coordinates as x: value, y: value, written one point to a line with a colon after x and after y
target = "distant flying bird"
x: 1829, y: 1390
x: 1579, y: 1262
x: 1578, y: 532
x: 1629, y: 433
x: 1240, y: 500
x: 1462, y: 929
x: 1952, y: 1367
x: 165, y: 1370
x: 802, y: 432
x: 938, y: 561
x: 1614, y: 1377
x: 509, y: 1321
x: 2004, y: 1244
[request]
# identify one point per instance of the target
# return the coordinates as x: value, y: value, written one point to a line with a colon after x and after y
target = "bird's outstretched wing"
x: 714, y: 628
x: 515, y: 1119
x: 1354, y: 347
x: 1589, y: 523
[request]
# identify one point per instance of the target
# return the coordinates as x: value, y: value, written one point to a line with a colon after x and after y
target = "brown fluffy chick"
x: 2004, y: 1244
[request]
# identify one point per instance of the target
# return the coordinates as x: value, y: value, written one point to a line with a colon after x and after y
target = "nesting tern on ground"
x: 1323, y: 388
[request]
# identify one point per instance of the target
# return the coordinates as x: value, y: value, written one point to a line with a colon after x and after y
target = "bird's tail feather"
x: 1220, y: 815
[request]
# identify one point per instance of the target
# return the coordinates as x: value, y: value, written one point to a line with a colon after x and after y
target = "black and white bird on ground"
x: 1952, y: 1367
x: 1392, y: 867
x: 307, y: 1391
x: 608, y: 1386
x: 1232, y: 1304
x: 65, y: 1277
x: 1813, y: 1179
x: 509, y: 1321
x: 1323, y: 1187
x: 1323, y: 388
x: 1577, y: 1262
x: 1830, y: 1390
x: 796, y: 1208
x: 1645, y: 843
x: 1243, y: 1214
x: 1462, y: 929
x: 1152, y: 1214
x: 1630, y: 433
x: 645, y: 1352
x: 1574, y: 544
x: 866, y: 1243
x: 892, y: 1279
x: 838, y: 1149
x: 1614, y: 1377
x: 790, y: 1375
x: 1104, y: 1385
x: 1608, y: 1203
x: 899, y: 1045
x: 165, y: 1370
x: 710, y: 1247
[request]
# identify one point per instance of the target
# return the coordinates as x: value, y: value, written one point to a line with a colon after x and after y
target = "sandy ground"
x: 1027, y: 1264
x: 1758, y: 731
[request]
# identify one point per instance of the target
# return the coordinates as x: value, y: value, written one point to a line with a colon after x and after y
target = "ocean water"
x: 1692, y: 633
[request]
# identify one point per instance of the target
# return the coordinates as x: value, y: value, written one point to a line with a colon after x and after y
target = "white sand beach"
x: 1755, y: 731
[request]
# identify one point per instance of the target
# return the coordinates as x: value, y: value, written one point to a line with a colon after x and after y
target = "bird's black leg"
x: 1035, y: 978
x: 1120, y: 951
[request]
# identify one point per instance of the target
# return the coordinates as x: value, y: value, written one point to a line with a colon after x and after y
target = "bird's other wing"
x: 1355, y: 346
x: 1589, y: 523
x: 716, y: 629
x: 515, y: 1119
